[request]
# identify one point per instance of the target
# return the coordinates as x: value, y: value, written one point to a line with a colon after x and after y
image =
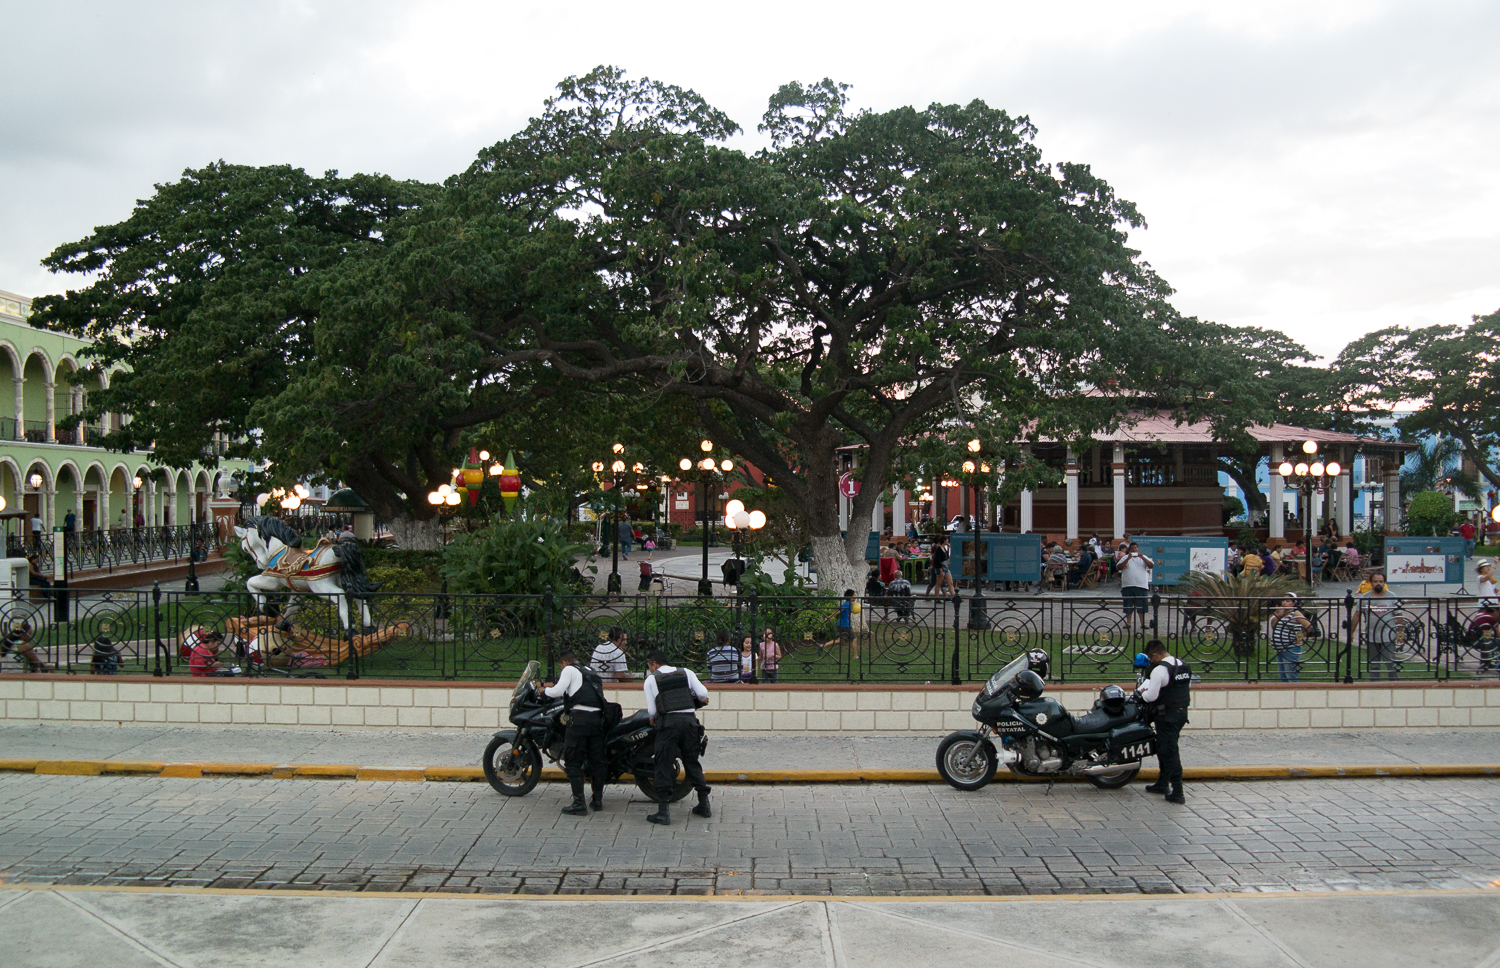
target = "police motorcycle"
x: 1039, y: 739
x: 513, y: 759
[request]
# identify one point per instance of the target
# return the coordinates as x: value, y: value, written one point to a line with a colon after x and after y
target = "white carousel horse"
x: 333, y: 570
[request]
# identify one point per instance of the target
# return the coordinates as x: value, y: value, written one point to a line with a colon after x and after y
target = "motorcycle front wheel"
x: 647, y: 785
x: 1114, y: 781
x: 512, y: 772
x: 965, y: 763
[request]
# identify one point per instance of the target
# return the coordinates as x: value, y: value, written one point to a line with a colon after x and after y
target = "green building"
x: 49, y: 471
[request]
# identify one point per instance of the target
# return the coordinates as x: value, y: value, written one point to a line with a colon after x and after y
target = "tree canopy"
x: 903, y: 280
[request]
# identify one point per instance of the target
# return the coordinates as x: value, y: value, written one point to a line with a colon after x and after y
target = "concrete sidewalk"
x: 55, y: 927
x: 742, y: 753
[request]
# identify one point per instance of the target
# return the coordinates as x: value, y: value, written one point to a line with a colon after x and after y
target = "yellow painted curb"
x: 474, y: 774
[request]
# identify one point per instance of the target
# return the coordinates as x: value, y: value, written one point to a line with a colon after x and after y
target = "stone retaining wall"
x: 751, y: 710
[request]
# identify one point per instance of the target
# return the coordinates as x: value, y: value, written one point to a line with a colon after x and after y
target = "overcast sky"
x: 1325, y: 168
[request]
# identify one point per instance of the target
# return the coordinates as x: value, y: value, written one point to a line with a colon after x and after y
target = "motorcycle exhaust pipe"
x: 1108, y: 770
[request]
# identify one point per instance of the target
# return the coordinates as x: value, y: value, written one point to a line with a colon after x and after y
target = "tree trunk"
x: 836, y: 572
x: 414, y: 535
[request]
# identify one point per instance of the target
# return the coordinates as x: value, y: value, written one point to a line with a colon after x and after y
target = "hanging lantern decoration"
x: 510, y: 482
x: 473, y: 475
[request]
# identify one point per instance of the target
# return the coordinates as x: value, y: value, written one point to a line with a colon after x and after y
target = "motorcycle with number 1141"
x: 1039, y: 739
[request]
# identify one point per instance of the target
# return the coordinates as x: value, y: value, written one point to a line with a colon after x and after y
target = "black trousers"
x: 677, y: 739
x: 1168, y: 757
x: 583, y: 744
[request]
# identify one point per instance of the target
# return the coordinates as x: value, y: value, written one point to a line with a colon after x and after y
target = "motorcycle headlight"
x: 977, y: 706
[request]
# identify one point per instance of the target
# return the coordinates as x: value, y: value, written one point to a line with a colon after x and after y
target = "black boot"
x: 1160, y: 786
x: 662, y: 815
x: 702, y: 809
x: 1176, y: 795
x: 579, y: 808
x: 596, y: 802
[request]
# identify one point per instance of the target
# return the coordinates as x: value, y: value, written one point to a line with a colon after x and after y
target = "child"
x: 650, y: 548
x: 770, y: 656
x: 747, y: 660
x: 848, y: 608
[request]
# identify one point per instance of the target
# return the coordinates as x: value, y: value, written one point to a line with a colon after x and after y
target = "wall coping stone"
x: 731, y: 686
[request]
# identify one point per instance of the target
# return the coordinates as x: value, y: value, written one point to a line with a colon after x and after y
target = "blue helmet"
x: 1141, y: 661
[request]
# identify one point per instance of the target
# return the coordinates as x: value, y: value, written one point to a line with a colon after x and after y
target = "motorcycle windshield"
x: 527, y: 677
x: 1002, y: 678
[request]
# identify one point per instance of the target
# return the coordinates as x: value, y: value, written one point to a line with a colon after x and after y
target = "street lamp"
x: 1308, y: 478
x: 616, y: 470
x: 975, y: 472
x: 704, y: 471
x: 737, y: 520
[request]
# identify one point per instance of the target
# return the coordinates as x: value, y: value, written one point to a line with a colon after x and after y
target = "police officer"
x: 582, y: 693
x: 1165, y: 692
x: 672, y: 695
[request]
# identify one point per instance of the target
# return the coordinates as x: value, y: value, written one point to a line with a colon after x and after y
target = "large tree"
x: 1450, y: 373
x: 868, y: 279
x: 885, y: 279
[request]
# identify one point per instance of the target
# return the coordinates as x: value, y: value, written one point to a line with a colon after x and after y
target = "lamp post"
x: 975, y: 471
x: 704, y: 471
x: 445, y: 501
x: 616, y: 469
x: 738, y: 520
x: 1308, y: 477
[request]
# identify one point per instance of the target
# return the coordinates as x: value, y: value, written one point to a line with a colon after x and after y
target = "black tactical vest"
x: 1172, y: 703
x: 591, y: 693
x: 673, y: 694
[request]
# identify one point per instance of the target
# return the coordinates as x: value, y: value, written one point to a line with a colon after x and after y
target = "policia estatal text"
x: 582, y: 693
x: 1165, y: 691
x: 672, y: 696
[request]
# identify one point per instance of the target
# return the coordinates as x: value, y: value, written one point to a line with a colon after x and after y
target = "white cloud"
x: 1324, y: 168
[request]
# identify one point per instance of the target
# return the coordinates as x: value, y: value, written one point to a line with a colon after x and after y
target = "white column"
x: 1276, y: 516
x: 51, y: 411
x: 20, y: 407
x: 898, y: 513
x: 1071, y: 482
x: 78, y: 507
x: 169, y: 508
x: 1026, y: 520
x: 1118, y: 469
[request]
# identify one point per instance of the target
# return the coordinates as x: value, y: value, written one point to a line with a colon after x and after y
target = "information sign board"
x: 1424, y: 561
x: 1008, y: 557
x: 1176, y: 556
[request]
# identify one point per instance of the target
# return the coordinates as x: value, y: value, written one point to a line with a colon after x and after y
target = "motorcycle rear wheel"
x: 513, y: 773
x: 979, y: 770
x: 647, y: 786
x: 1114, y: 781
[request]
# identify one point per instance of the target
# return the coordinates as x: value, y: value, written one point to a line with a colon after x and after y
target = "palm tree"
x: 1436, y: 466
x: 1241, y: 602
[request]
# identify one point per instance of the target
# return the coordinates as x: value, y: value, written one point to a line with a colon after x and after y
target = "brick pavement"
x: 857, y: 839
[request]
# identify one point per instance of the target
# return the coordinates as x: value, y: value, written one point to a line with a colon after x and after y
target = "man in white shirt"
x: 609, y: 657
x: 1167, y: 694
x: 1135, y: 584
x: 36, y: 532
x: 582, y: 693
x: 672, y: 697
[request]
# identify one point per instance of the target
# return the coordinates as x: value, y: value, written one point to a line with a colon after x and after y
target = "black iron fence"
x: 114, y: 547
x: 808, y: 639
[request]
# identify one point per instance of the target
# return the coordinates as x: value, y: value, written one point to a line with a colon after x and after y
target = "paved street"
x: 432, y: 747
x: 856, y: 839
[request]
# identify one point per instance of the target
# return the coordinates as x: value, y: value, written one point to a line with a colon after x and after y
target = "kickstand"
x: 1050, y: 781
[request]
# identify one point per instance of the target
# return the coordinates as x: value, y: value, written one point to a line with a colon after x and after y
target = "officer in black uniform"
x: 672, y: 696
x: 1165, y: 691
x: 582, y: 693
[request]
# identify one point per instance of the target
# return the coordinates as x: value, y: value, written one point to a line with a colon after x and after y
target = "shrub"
x: 1430, y: 513
x: 513, y: 558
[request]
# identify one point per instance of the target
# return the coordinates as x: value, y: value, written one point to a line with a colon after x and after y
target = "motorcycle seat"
x: 636, y: 720
x: 1097, y: 720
